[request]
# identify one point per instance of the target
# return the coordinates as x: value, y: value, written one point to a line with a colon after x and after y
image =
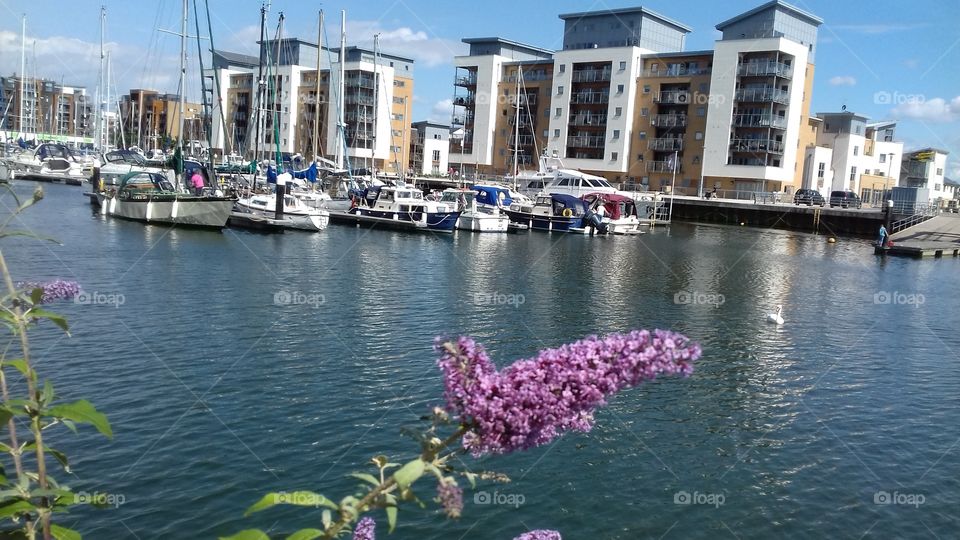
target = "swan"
x: 775, y: 317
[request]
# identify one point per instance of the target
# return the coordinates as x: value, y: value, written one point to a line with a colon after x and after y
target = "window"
x: 616, y: 134
x: 618, y: 111
x: 644, y: 112
x: 939, y: 172
x: 614, y: 156
x: 399, y: 84
x: 856, y: 150
x: 556, y: 133
x: 546, y: 112
x: 936, y: 187
x: 883, y: 158
x: 546, y: 133
x: 696, y: 160
x: 698, y: 136
x: 559, y: 111
x: 563, y: 68
x: 821, y: 170
x: 619, y: 88
x: 399, y: 100
x: 643, y: 135
x: 398, y: 117
x: 623, y: 66
x: 853, y: 174
x: 559, y: 90
x: 639, y: 157
x: 646, y: 87
x: 701, y: 111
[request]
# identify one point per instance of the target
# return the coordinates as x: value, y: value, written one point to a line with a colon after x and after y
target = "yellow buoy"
x: 831, y: 240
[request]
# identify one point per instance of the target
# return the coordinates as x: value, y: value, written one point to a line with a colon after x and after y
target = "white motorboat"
x: 405, y: 205
x: 296, y: 214
x: 50, y: 162
x: 119, y: 163
x: 473, y: 215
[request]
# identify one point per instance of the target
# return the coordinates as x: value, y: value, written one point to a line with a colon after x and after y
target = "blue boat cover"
x: 491, y: 195
x: 271, y: 175
x: 308, y: 174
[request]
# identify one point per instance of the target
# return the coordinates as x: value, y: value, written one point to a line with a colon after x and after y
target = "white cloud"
x: 843, y: 80
x: 936, y: 110
x: 425, y: 49
x: 442, y: 111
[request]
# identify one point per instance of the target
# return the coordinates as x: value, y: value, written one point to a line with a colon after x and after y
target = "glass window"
x: 618, y: 111
x: 559, y: 90
x: 619, y: 88
x: 563, y: 68
x: 698, y: 136
x: 616, y: 134
x: 623, y: 66
x: 614, y: 156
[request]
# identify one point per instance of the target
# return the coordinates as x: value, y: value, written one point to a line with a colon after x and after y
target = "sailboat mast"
x: 316, y: 94
x: 100, y: 85
x: 23, y: 65
x: 106, y: 117
x: 516, y: 129
x: 275, y: 105
x: 260, y: 83
x: 376, y: 103
x: 183, y: 71
x: 341, y: 122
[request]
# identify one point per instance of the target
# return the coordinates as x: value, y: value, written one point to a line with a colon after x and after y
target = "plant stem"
x: 32, y: 392
x: 428, y: 456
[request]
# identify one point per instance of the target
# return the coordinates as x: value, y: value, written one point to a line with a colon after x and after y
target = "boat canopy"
x: 145, y: 181
x: 563, y: 202
x: 52, y: 150
x: 309, y: 173
x: 492, y: 195
x: 616, y: 206
x: 125, y: 156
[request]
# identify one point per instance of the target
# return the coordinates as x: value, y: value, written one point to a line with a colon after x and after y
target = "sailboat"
x: 150, y: 197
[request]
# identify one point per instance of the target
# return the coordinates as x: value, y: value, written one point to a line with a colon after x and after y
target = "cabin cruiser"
x: 551, y: 212
x: 50, y: 162
x: 119, y: 163
x: 619, y: 214
x: 296, y: 214
x: 553, y: 178
x: 405, y: 204
x: 149, y: 197
x: 475, y: 216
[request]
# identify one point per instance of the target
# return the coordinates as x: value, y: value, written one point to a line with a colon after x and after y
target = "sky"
x: 888, y: 60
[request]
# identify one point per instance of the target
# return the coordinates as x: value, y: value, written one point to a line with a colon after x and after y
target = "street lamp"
x: 886, y: 181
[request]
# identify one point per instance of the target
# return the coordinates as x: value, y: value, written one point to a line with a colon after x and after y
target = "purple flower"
x: 52, y: 290
x: 534, y: 401
x: 365, y: 529
x: 540, y: 534
x: 450, y: 497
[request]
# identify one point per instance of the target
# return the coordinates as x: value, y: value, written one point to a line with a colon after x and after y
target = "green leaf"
x: 18, y: 363
x: 249, y: 534
x: 5, y: 416
x: 29, y: 234
x: 472, y: 478
x: 58, y: 320
x: 366, y: 477
x: 46, y: 397
x: 409, y: 473
x: 306, y: 534
x: 36, y: 295
x: 82, y: 412
x: 16, y: 507
x: 63, y: 533
x: 294, y: 498
x: 392, y: 517
x: 58, y: 455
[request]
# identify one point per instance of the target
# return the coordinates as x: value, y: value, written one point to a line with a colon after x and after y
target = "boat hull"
x: 434, y: 221
x: 538, y: 222
x: 183, y: 211
x: 483, y: 222
x: 314, y: 221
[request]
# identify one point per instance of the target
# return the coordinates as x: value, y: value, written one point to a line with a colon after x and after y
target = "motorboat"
x: 405, y: 204
x: 554, y: 213
x: 619, y: 213
x: 296, y: 214
x: 119, y: 163
x: 475, y: 216
x: 149, y: 197
x: 50, y: 162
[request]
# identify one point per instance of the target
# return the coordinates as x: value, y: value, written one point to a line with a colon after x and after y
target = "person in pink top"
x: 197, y: 182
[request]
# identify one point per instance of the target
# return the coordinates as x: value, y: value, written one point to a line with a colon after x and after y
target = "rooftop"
x: 913, y: 153
x: 680, y: 54
x: 844, y: 113
x: 511, y: 43
x: 238, y: 59
x: 428, y: 123
x: 810, y: 17
x: 371, y: 51
x: 627, y: 11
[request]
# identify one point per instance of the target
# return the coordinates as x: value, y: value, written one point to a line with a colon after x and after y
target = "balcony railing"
x: 362, y: 82
x: 466, y: 80
x: 525, y: 99
x: 464, y: 101
x: 765, y: 68
x: 756, y: 146
x: 676, y: 72
x: 591, y: 75
x: 358, y: 100
x: 669, y: 120
x: 589, y: 98
x: 523, y: 140
x: 524, y: 122
x: 598, y: 120
x: 582, y: 141
x: 463, y: 119
x: 664, y: 167
x: 665, y: 145
x: 672, y: 97
x: 760, y: 120
x: 531, y: 77
x: 763, y: 95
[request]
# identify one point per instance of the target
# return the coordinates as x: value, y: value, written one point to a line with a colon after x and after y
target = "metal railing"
x: 588, y: 120
x: 463, y: 101
x: 760, y: 120
x: 588, y: 98
x: 530, y: 77
x: 910, y: 221
x: 663, y: 167
x: 756, y: 145
x: 669, y: 120
x: 666, y: 144
x: 765, y: 68
x: 676, y: 72
x: 763, y: 95
x: 672, y: 97
x: 469, y: 80
x: 591, y: 75
x: 585, y: 142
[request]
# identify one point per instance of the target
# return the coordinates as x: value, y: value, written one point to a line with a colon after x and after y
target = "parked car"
x: 809, y: 197
x: 845, y: 199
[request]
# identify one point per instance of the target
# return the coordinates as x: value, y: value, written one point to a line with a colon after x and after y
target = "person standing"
x: 197, y: 182
x: 882, y: 238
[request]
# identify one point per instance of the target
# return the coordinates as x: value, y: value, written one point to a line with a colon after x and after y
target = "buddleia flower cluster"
x: 533, y: 401
x: 52, y: 290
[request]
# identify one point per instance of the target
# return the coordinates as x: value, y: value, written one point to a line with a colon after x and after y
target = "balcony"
x: 463, y: 119
x: 589, y: 120
x: 359, y: 82
x: 760, y: 121
x: 585, y: 141
x: 525, y: 121
x: 531, y: 77
x: 676, y: 72
x: 765, y: 69
x: 663, y: 167
x: 591, y: 75
x: 589, y: 98
x: 464, y: 101
x: 466, y: 81
x: 681, y: 98
x: 763, y: 95
x: 523, y: 140
x: 756, y: 146
x: 359, y: 100
x: 669, y: 120
x: 525, y: 99
x: 665, y: 145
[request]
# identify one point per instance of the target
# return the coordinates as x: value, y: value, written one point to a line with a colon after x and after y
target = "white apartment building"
x: 759, y: 99
x: 430, y: 149
x: 925, y: 169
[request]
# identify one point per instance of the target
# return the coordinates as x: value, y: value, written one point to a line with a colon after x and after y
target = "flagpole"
x: 673, y: 183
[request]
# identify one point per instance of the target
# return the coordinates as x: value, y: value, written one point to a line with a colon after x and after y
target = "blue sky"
x: 885, y: 59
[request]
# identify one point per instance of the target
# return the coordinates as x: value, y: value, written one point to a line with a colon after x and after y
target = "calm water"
x: 218, y: 395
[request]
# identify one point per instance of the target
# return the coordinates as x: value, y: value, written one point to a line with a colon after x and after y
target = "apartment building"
x: 429, y: 149
x: 150, y: 119
x: 925, y: 169
x: 377, y: 97
x: 45, y: 109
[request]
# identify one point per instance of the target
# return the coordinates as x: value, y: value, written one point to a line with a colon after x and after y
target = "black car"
x: 809, y: 197
x: 845, y: 199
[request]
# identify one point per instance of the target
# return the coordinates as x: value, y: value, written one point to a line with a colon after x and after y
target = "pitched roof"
x: 810, y: 17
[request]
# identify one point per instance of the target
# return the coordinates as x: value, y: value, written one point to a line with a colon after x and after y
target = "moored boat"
x: 405, y: 204
x: 619, y: 215
x: 296, y: 214
x: 149, y: 197
x: 554, y: 213
x: 50, y: 162
x: 475, y: 216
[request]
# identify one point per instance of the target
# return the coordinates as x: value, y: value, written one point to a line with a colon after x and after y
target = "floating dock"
x: 936, y: 237
x: 345, y: 218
